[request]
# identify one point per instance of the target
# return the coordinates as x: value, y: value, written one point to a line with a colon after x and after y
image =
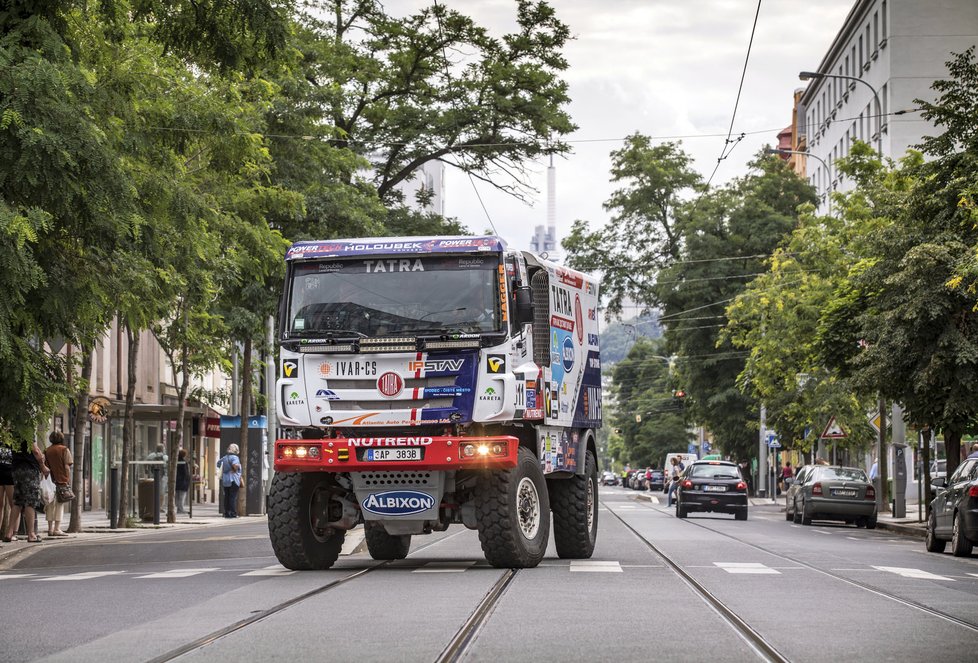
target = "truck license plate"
x: 405, y: 453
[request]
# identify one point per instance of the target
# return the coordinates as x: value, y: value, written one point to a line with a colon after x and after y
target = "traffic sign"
x: 833, y: 430
x: 874, y: 420
x: 772, y: 441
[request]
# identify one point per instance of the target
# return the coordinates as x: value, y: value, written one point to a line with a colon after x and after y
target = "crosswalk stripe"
x: 594, y: 566
x: 274, y: 570
x: 746, y: 567
x: 89, y: 575
x: 913, y: 573
x: 444, y: 567
x: 12, y: 576
x: 176, y: 573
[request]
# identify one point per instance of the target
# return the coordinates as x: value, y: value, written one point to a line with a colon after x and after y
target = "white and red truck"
x: 427, y: 381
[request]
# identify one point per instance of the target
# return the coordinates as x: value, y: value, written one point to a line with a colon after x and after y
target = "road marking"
x: 912, y: 573
x: 593, y: 566
x: 80, y: 576
x: 627, y: 506
x: 274, y: 570
x: 746, y: 567
x: 444, y: 567
x: 12, y: 576
x: 176, y: 573
x: 973, y: 574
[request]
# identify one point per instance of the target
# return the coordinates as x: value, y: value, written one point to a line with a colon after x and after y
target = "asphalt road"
x: 817, y: 593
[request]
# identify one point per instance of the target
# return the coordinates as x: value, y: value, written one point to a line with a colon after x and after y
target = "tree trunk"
x: 952, y: 449
x: 78, y: 426
x: 245, y: 411
x: 128, y: 428
x: 176, y: 442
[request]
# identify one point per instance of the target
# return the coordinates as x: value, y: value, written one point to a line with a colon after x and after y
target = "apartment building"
x: 887, y: 53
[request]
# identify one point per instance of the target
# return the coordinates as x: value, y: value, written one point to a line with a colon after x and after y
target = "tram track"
x: 910, y: 603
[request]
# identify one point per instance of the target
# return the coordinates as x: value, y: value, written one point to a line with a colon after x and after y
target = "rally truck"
x: 433, y: 381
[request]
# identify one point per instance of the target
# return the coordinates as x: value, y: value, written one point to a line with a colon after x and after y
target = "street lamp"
x: 807, y: 75
x: 828, y: 194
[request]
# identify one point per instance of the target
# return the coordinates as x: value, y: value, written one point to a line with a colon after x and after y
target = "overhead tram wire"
x: 724, y: 153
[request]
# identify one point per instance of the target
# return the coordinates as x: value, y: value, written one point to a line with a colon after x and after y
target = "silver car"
x: 832, y: 492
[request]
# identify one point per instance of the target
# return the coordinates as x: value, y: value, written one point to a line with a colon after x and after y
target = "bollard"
x: 156, y: 495
x: 113, y: 497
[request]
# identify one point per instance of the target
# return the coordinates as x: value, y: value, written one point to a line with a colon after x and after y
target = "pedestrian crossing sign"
x: 833, y: 430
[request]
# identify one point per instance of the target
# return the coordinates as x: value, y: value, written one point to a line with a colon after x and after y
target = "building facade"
x: 896, y: 49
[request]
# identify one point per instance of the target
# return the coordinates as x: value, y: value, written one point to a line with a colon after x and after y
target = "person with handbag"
x: 230, y: 466
x: 28, y: 465
x: 6, y: 478
x: 59, y: 461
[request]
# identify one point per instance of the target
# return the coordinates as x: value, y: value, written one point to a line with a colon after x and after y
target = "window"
x: 869, y: 46
x: 861, y: 52
x: 876, y: 30
x: 883, y: 12
x: 847, y: 65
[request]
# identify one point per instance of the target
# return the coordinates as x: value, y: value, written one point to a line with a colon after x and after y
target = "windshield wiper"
x: 327, y: 333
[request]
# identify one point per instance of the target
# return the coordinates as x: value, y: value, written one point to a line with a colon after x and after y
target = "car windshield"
x: 378, y: 296
x: 714, y: 472
x: 841, y: 474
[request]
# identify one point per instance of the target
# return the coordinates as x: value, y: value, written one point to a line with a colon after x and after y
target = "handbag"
x: 6, y: 455
x: 63, y: 493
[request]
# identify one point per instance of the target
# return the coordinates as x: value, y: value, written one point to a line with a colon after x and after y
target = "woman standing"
x: 183, y: 479
x: 27, y: 468
x: 230, y: 466
x: 59, y: 461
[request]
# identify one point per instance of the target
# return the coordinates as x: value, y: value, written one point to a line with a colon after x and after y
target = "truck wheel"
x: 960, y: 545
x: 513, y: 514
x: 382, y: 545
x: 575, y: 507
x: 297, y: 521
x: 934, y: 544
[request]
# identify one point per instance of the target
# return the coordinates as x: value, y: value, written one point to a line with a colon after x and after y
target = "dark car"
x: 954, y: 511
x: 656, y: 480
x: 712, y: 485
x: 833, y: 492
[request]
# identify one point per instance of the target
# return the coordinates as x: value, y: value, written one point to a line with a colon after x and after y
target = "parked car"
x: 712, y: 485
x: 656, y: 480
x: 609, y: 479
x: 938, y: 469
x: 834, y: 492
x: 637, y: 480
x: 794, y: 485
x: 954, y: 511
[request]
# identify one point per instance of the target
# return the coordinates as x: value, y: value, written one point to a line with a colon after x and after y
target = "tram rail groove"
x: 470, y: 629
x: 757, y: 642
x: 910, y: 603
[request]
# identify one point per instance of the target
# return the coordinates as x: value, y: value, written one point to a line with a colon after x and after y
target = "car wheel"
x: 960, y: 545
x: 932, y: 543
x: 796, y: 515
x: 805, y: 518
x: 787, y: 512
x: 741, y: 515
x: 680, y: 511
x: 871, y: 522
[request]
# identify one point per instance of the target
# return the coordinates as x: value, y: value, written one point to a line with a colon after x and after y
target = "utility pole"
x: 882, y: 459
x: 762, y: 463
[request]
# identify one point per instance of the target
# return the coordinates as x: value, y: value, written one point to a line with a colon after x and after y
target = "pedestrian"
x: 59, y: 461
x: 786, y: 474
x: 230, y: 466
x: 746, y: 474
x: 28, y: 466
x: 974, y: 451
x: 874, y: 471
x: 6, y: 479
x: 183, y: 479
x: 674, y: 471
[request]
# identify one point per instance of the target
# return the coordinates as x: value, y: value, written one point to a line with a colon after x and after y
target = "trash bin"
x: 144, y: 499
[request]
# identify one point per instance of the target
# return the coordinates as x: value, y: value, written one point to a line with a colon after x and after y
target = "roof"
x: 339, y: 248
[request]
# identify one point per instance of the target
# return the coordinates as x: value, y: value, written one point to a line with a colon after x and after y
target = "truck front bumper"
x: 368, y: 454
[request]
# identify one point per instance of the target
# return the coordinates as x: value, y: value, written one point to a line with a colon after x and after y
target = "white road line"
x: 177, y: 573
x: 274, y: 570
x: 593, y: 566
x: 912, y: 573
x: 13, y: 576
x: 80, y: 576
x: 444, y: 567
x: 818, y: 531
x: 746, y: 567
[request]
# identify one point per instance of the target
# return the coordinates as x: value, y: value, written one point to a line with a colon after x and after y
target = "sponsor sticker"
x: 398, y: 502
x: 436, y: 365
x: 390, y: 384
x: 496, y: 364
x: 327, y: 394
x: 568, y: 354
x: 290, y: 368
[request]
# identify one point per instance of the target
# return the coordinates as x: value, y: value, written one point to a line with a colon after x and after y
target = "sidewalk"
x: 95, y: 527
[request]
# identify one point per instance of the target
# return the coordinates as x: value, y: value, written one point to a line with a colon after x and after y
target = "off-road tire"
x: 960, y: 545
x: 384, y: 546
x: 574, y: 502
x: 504, y: 542
x: 931, y: 542
x: 290, y: 526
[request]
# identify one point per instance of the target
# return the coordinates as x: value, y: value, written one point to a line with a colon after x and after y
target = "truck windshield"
x: 395, y: 296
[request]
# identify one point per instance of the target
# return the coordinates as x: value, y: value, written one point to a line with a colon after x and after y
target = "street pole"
x: 806, y: 75
x: 828, y: 194
x: 882, y: 457
x: 762, y: 455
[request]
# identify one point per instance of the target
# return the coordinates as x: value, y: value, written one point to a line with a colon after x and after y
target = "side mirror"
x: 788, y: 481
x: 938, y: 482
x: 524, y: 304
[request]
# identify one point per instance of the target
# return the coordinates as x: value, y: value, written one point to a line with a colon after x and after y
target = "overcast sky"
x: 661, y: 68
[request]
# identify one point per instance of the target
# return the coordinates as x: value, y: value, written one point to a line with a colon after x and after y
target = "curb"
x: 918, y: 531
